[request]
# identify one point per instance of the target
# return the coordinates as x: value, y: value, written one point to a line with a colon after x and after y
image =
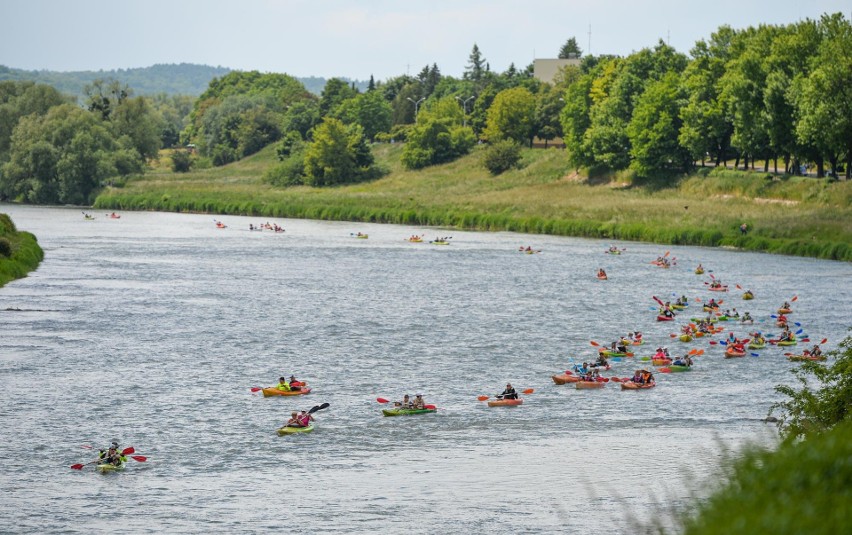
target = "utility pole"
x: 464, y: 106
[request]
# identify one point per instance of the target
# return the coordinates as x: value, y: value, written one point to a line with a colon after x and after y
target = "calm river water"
x: 152, y: 329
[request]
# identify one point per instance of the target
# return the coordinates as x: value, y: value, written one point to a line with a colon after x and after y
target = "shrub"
x: 501, y: 156
x: 5, y: 247
x: 181, y: 161
x: 290, y: 172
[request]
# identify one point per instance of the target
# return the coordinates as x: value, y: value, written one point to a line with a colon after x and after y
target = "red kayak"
x: 718, y: 289
x: 665, y: 318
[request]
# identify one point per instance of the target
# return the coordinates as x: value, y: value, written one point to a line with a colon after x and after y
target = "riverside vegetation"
x: 19, y: 251
x: 787, y: 215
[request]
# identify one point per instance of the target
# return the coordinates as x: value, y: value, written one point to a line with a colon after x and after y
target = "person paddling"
x: 294, y: 383
x: 294, y: 420
x: 283, y: 385
x: 508, y: 393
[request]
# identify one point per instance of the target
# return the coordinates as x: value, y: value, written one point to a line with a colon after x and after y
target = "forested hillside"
x: 171, y: 79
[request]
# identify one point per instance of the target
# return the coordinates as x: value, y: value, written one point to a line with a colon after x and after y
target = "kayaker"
x: 816, y: 351
x: 294, y: 383
x: 283, y: 384
x: 746, y: 317
x: 294, y: 420
x: 601, y: 273
x: 305, y: 419
x: 405, y: 403
x: 712, y: 303
x: 647, y: 377
x: 786, y: 305
x: 637, y: 377
x: 699, y: 268
x: 418, y: 402
x: 509, y: 393
x: 112, y: 456
x: 601, y: 361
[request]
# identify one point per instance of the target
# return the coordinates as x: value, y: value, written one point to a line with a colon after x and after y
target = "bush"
x: 502, y: 156
x: 5, y: 247
x: 290, y: 172
x: 181, y: 161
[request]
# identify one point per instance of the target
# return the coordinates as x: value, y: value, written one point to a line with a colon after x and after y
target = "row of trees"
x: 757, y: 94
x: 54, y: 151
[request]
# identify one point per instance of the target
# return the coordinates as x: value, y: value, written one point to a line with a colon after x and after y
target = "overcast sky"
x: 357, y: 38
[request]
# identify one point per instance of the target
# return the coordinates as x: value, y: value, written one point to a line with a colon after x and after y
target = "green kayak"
x: 104, y: 468
x: 677, y: 368
x: 290, y: 430
x: 757, y: 346
x: 405, y: 412
x: 611, y: 353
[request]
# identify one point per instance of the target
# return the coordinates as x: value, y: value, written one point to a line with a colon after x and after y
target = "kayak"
x: 699, y: 272
x: 581, y: 385
x: 678, y: 368
x: 678, y: 307
x: 104, y: 468
x: 785, y: 310
x: 406, y: 412
x: 748, y: 296
x: 756, y: 346
x: 611, y: 353
x: 506, y: 402
x: 439, y: 242
x: 787, y: 343
x: 801, y: 358
x: 273, y: 391
x: 732, y: 353
x: 722, y: 318
x: 637, y: 342
x: 630, y: 385
x: 686, y: 338
x: 661, y: 362
x: 718, y: 289
x: 291, y: 430
x: 415, y: 240
x: 601, y: 277
x: 708, y: 308
x: 563, y: 378
x: 665, y: 318
x: 613, y: 252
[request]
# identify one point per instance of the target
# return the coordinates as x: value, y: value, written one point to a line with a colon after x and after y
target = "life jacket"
x: 304, y: 419
x: 283, y: 386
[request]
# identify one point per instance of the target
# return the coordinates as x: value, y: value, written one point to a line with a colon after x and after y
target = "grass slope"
x: 26, y: 253
x: 799, y: 216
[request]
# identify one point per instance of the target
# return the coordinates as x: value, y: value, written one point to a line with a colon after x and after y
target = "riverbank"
x: 19, y: 252
x: 796, y: 216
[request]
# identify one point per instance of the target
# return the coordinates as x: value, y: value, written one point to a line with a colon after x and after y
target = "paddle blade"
x: 318, y: 408
x: 595, y: 343
x: 569, y: 372
x: 482, y: 398
x: 382, y: 400
x: 800, y: 331
x: 755, y: 355
x: 529, y: 390
x: 665, y: 370
x: 806, y: 340
x: 795, y: 297
x: 713, y: 342
x: 139, y: 458
x: 672, y: 335
x: 86, y: 446
x: 700, y: 352
x: 430, y: 407
x: 77, y: 466
x: 128, y: 451
x: 256, y: 388
x: 824, y: 340
x: 616, y: 379
x: 739, y: 287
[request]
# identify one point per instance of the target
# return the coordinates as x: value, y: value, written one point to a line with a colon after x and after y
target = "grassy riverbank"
x: 19, y: 251
x: 798, y: 216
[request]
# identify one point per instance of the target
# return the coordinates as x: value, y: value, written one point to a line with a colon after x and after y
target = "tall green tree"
x: 136, y: 119
x: 370, y: 110
x: 438, y: 136
x: 337, y: 155
x: 512, y: 116
x: 19, y: 99
x: 476, y: 66
x: 654, y: 129
x: 104, y: 96
x: 570, y: 49
x: 335, y: 92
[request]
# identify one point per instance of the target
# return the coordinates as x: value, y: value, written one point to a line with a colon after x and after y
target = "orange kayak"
x: 506, y: 402
x: 581, y: 385
x: 273, y: 391
x: 796, y: 358
x: 732, y: 353
x: 563, y: 378
x: 630, y: 385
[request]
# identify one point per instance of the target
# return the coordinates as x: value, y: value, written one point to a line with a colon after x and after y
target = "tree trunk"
x: 775, y: 164
x: 820, y: 167
x: 766, y: 165
x: 736, y: 162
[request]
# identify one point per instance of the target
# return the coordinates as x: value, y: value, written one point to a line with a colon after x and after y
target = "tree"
x: 371, y: 86
x: 475, y: 69
x: 548, y: 105
x: 335, y: 92
x: 575, y: 119
x: 438, y: 136
x: 103, y: 96
x: 62, y: 157
x: 134, y: 118
x: 301, y: 117
x: 809, y: 411
x: 337, y: 155
x: 570, y: 49
x: 501, y: 156
x: 654, y: 128
x: 19, y: 99
x: 511, y: 116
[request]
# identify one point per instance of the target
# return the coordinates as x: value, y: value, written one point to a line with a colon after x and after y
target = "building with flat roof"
x: 547, y: 69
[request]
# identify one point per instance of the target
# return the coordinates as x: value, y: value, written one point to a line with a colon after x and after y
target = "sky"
x: 359, y: 38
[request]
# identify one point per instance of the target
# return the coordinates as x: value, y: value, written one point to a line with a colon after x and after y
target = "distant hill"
x: 172, y: 79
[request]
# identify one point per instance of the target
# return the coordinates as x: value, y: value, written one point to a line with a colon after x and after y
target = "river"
x: 152, y: 329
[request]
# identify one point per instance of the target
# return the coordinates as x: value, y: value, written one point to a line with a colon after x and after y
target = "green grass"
x: 806, y: 217
x: 26, y: 253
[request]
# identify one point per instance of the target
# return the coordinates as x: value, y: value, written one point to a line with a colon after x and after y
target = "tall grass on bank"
x: 24, y: 253
x: 806, y: 217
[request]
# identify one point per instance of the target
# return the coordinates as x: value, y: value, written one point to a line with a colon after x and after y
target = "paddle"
x: 755, y: 355
x: 139, y: 458
x: 665, y: 370
x: 795, y: 297
x: 316, y: 408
